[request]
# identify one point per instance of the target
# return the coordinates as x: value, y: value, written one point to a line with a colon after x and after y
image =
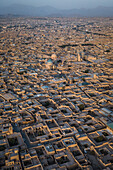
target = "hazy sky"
x: 62, y: 4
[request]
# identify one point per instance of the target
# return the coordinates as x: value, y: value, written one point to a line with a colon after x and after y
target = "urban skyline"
x: 56, y: 93
x: 56, y: 85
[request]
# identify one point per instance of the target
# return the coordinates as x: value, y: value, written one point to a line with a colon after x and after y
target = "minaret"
x: 78, y: 56
x: 82, y: 54
x: 95, y: 76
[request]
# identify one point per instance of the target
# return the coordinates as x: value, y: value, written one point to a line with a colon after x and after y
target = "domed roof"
x: 50, y: 61
x: 53, y: 56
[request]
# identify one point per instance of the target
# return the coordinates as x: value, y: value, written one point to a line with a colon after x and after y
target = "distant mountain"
x: 45, y: 11
x: 26, y: 10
